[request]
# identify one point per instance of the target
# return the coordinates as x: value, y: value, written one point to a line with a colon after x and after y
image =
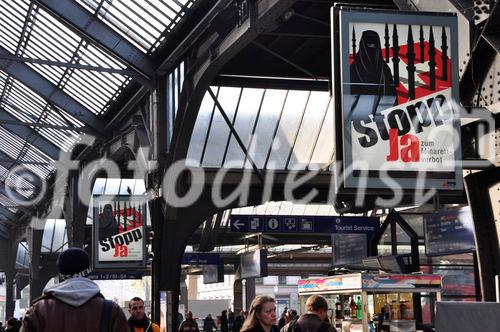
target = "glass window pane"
x: 48, y: 233
x: 287, y: 130
x: 260, y: 143
x: 112, y: 186
x: 126, y: 186
x: 245, y: 120
x: 99, y: 185
x: 140, y: 187
x: 60, y: 230
x: 315, y: 111
x: 219, y: 133
x: 200, y: 131
x: 326, y: 142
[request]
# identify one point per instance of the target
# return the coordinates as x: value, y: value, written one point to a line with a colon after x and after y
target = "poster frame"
x: 341, y: 17
x: 139, y: 264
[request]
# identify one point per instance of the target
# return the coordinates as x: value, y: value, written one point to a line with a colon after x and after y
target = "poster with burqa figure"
x: 119, y: 231
x: 398, y: 91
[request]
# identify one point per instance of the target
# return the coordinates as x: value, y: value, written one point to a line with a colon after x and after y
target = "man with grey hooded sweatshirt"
x: 75, y: 304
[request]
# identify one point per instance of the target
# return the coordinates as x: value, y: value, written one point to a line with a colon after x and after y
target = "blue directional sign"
x: 200, y: 258
x: 243, y: 223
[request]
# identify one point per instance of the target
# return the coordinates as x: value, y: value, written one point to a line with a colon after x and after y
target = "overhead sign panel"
x: 200, y: 258
x: 449, y: 232
x: 244, y: 223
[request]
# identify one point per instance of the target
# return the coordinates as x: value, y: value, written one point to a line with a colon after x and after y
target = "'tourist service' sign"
x: 119, y: 231
x: 398, y: 88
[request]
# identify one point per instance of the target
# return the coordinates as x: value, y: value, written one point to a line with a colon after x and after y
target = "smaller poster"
x: 119, y: 232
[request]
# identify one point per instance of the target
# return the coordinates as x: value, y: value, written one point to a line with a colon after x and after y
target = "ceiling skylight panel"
x: 95, y: 57
x: 12, y: 15
x: 45, y: 49
x: 70, y: 38
x: 9, y: 38
x: 175, y: 5
x: 62, y: 118
x: 75, y: 90
x: 64, y: 142
x: 122, y: 11
x: 21, y: 186
x: 139, y: 12
x: 122, y: 26
x: 5, y: 201
x: 158, y: 10
x: 54, y: 76
x: 89, y: 81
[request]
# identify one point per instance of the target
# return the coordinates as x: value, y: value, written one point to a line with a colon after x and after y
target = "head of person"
x: 136, y: 308
x: 290, y: 315
x: 262, y: 311
x: 189, y: 315
x: 73, y: 263
x: 316, y: 304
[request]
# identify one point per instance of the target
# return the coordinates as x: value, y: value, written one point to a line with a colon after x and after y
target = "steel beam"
x: 39, y: 142
x: 6, y: 213
x: 482, y: 57
x: 51, y: 93
x: 36, y: 124
x: 4, y: 231
x: 90, y: 28
x: 186, y: 44
x: 124, y: 72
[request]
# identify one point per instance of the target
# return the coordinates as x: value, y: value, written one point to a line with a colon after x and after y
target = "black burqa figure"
x: 108, y: 226
x: 370, y: 75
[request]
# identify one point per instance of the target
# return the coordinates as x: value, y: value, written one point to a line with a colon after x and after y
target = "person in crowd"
x: 230, y: 320
x: 314, y: 320
x: 238, y: 321
x: 281, y: 321
x: 180, y: 319
x: 209, y: 324
x: 223, y: 321
x: 262, y: 315
x: 2, y: 329
x: 138, y: 320
x: 74, y: 304
x: 13, y: 325
x: 291, y: 314
x: 190, y: 324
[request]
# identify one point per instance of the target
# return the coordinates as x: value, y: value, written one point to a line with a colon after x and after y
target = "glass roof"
x: 144, y: 23
x: 38, y: 42
x: 281, y: 130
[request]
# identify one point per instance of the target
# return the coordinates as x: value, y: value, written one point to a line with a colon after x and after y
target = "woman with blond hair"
x: 261, y: 316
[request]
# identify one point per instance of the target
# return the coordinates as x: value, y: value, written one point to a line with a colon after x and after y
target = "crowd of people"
x: 76, y: 304
x: 262, y: 318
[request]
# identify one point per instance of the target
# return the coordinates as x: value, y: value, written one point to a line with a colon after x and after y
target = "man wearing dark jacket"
x: 138, y: 320
x: 190, y: 324
x: 76, y: 303
x: 314, y: 320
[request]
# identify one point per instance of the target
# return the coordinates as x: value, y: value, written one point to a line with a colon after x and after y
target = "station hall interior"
x: 205, y: 152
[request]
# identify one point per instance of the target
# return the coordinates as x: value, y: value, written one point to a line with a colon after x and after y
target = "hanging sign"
x: 396, y: 89
x: 119, y: 230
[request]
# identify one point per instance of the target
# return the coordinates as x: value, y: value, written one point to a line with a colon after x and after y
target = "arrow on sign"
x: 237, y: 224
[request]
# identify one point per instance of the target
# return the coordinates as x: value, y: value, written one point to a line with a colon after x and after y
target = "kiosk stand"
x: 371, y: 302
